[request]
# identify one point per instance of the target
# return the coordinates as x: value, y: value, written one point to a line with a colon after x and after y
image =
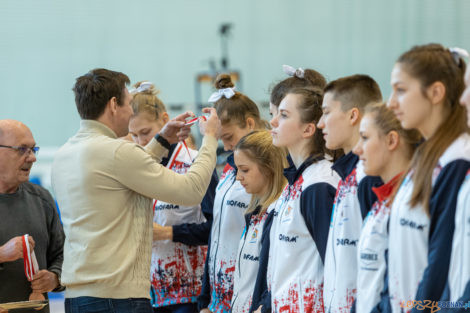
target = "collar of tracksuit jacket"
x: 345, y: 165
x: 292, y: 173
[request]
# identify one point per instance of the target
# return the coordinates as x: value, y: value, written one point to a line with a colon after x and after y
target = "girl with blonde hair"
x: 260, y: 167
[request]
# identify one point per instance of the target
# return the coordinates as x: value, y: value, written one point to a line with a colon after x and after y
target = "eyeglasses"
x: 23, y: 150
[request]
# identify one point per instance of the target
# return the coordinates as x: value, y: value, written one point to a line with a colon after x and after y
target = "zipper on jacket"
x: 241, y: 250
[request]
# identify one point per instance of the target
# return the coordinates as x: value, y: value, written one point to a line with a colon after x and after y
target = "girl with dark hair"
x: 298, y: 78
x: 300, y: 226
x: 459, y: 270
x: 238, y: 115
x: 427, y: 82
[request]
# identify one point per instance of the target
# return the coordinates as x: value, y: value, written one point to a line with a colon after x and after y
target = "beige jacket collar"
x: 96, y: 127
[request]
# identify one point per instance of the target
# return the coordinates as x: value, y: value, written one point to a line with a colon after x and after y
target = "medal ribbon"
x: 171, y: 162
x: 31, y: 267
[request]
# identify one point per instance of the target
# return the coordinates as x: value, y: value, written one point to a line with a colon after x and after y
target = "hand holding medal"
x: 31, y: 267
x: 208, y: 125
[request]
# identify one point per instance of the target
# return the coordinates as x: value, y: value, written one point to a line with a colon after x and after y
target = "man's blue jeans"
x: 106, y: 305
x: 177, y: 308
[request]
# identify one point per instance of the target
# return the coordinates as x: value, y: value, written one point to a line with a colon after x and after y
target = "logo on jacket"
x: 412, y: 224
x: 288, y: 238
x: 287, y: 214
x: 368, y: 258
x: 166, y: 206
x: 237, y: 204
x: 250, y: 257
x: 346, y: 242
x: 254, y: 236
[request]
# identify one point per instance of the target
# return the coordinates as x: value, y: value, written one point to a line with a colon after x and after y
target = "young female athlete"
x: 238, y: 116
x: 385, y: 150
x: 300, y: 226
x: 427, y: 82
x: 260, y: 167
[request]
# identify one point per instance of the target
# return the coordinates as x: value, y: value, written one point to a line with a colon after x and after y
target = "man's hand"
x: 205, y: 310
x: 175, y: 130
x: 36, y: 296
x: 258, y: 310
x: 162, y: 232
x: 209, y: 127
x: 3, y: 311
x: 44, y: 281
x: 13, y: 249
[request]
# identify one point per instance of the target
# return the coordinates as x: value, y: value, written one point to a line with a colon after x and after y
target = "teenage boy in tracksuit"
x: 343, y: 105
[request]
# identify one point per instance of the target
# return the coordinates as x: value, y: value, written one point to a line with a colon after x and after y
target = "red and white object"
x: 31, y: 266
x: 194, y: 120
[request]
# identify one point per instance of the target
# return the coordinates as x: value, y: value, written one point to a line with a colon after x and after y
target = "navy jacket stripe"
x: 320, y: 196
x: 442, y: 209
x: 366, y: 195
x: 261, y: 281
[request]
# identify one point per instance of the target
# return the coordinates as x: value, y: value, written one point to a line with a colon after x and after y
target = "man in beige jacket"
x: 105, y: 186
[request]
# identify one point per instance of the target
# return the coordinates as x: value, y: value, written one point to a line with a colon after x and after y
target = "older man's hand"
x: 44, y: 281
x: 13, y: 249
x: 175, y: 130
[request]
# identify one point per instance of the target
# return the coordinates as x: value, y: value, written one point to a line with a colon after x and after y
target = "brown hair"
x: 236, y: 109
x: 354, y: 91
x: 147, y: 101
x: 429, y: 64
x: 311, y: 78
x: 386, y: 121
x: 94, y: 89
x: 271, y: 160
x: 310, y: 109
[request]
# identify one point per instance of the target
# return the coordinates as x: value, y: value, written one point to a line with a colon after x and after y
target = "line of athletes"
x: 343, y: 203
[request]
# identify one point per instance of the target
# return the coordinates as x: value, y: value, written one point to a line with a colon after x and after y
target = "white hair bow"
x: 226, y: 92
x: 143, y: 87
x: 458, y: 53
x: 291, y: 71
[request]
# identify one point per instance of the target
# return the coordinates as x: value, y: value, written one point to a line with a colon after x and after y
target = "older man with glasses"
x: 25, y: 208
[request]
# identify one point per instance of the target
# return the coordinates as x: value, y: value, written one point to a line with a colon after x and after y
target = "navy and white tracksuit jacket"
x: 372, y: 249
x: 261, y: 295
x: 230, y: 204
x: 458, y: 288
x: 248, y: 257
x: 176, y: 268
x: 298, y: 238
x: 459, y: 272
x: 354, y: 198
x: 419, y: 245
